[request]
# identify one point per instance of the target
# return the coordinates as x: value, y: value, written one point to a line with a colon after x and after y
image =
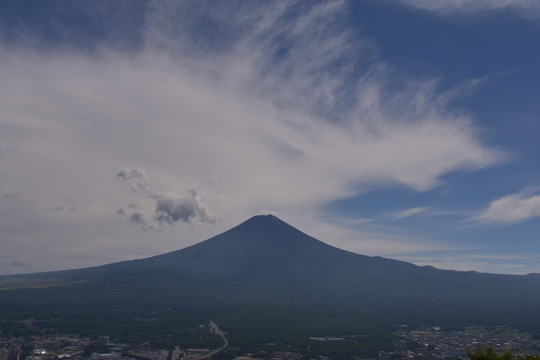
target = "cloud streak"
x: 398, y: 215
x: 511, y: 209
x: 529, y: 9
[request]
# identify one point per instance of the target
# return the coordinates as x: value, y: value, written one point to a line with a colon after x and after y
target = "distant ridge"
x: 262, y: 248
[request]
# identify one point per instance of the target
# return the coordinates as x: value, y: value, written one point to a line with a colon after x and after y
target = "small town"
x: 433, y: 343
x: 425, y: 343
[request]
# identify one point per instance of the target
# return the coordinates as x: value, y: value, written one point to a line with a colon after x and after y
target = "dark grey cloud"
x: 136, y: 178
x: 170, y: 207
x: 138, y: 219
x: 21, y: 264
x: 192, y: 207
x: 8, y: 192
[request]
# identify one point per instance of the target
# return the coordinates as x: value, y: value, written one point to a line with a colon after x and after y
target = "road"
x: 214, y: 329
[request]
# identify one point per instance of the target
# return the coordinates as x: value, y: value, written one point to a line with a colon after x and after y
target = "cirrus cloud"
x: 512, y: 209
x: 529, y: 9
x: 287, y: 111
x: 402, y: 214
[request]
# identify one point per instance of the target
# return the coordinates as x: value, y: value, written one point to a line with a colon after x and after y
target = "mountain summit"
x: 264, y: 247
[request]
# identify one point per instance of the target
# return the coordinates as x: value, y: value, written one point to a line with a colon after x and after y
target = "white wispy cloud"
x: 287, y: 111
x: 529, y: 9
x: 511, y: 209
x: 402, y: 214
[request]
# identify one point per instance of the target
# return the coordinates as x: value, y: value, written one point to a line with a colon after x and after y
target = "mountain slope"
x: 265, y: 250
x: 263, y: 247
x: 265, y: 279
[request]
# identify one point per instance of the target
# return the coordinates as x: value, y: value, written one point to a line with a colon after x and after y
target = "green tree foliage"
x: 488, y: 353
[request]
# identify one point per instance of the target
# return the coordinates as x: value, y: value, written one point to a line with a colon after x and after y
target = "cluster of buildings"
x: 427, y: 343
x: 42, y: 347
x: 276, y: 355
x: 432, y: 343
x: 75, y: 348
x: 78, y: 348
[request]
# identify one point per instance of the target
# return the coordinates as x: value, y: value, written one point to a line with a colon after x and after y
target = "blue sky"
x: 405, y: 128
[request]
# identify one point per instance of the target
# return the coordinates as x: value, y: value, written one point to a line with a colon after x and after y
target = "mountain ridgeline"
x: 265, y: 280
